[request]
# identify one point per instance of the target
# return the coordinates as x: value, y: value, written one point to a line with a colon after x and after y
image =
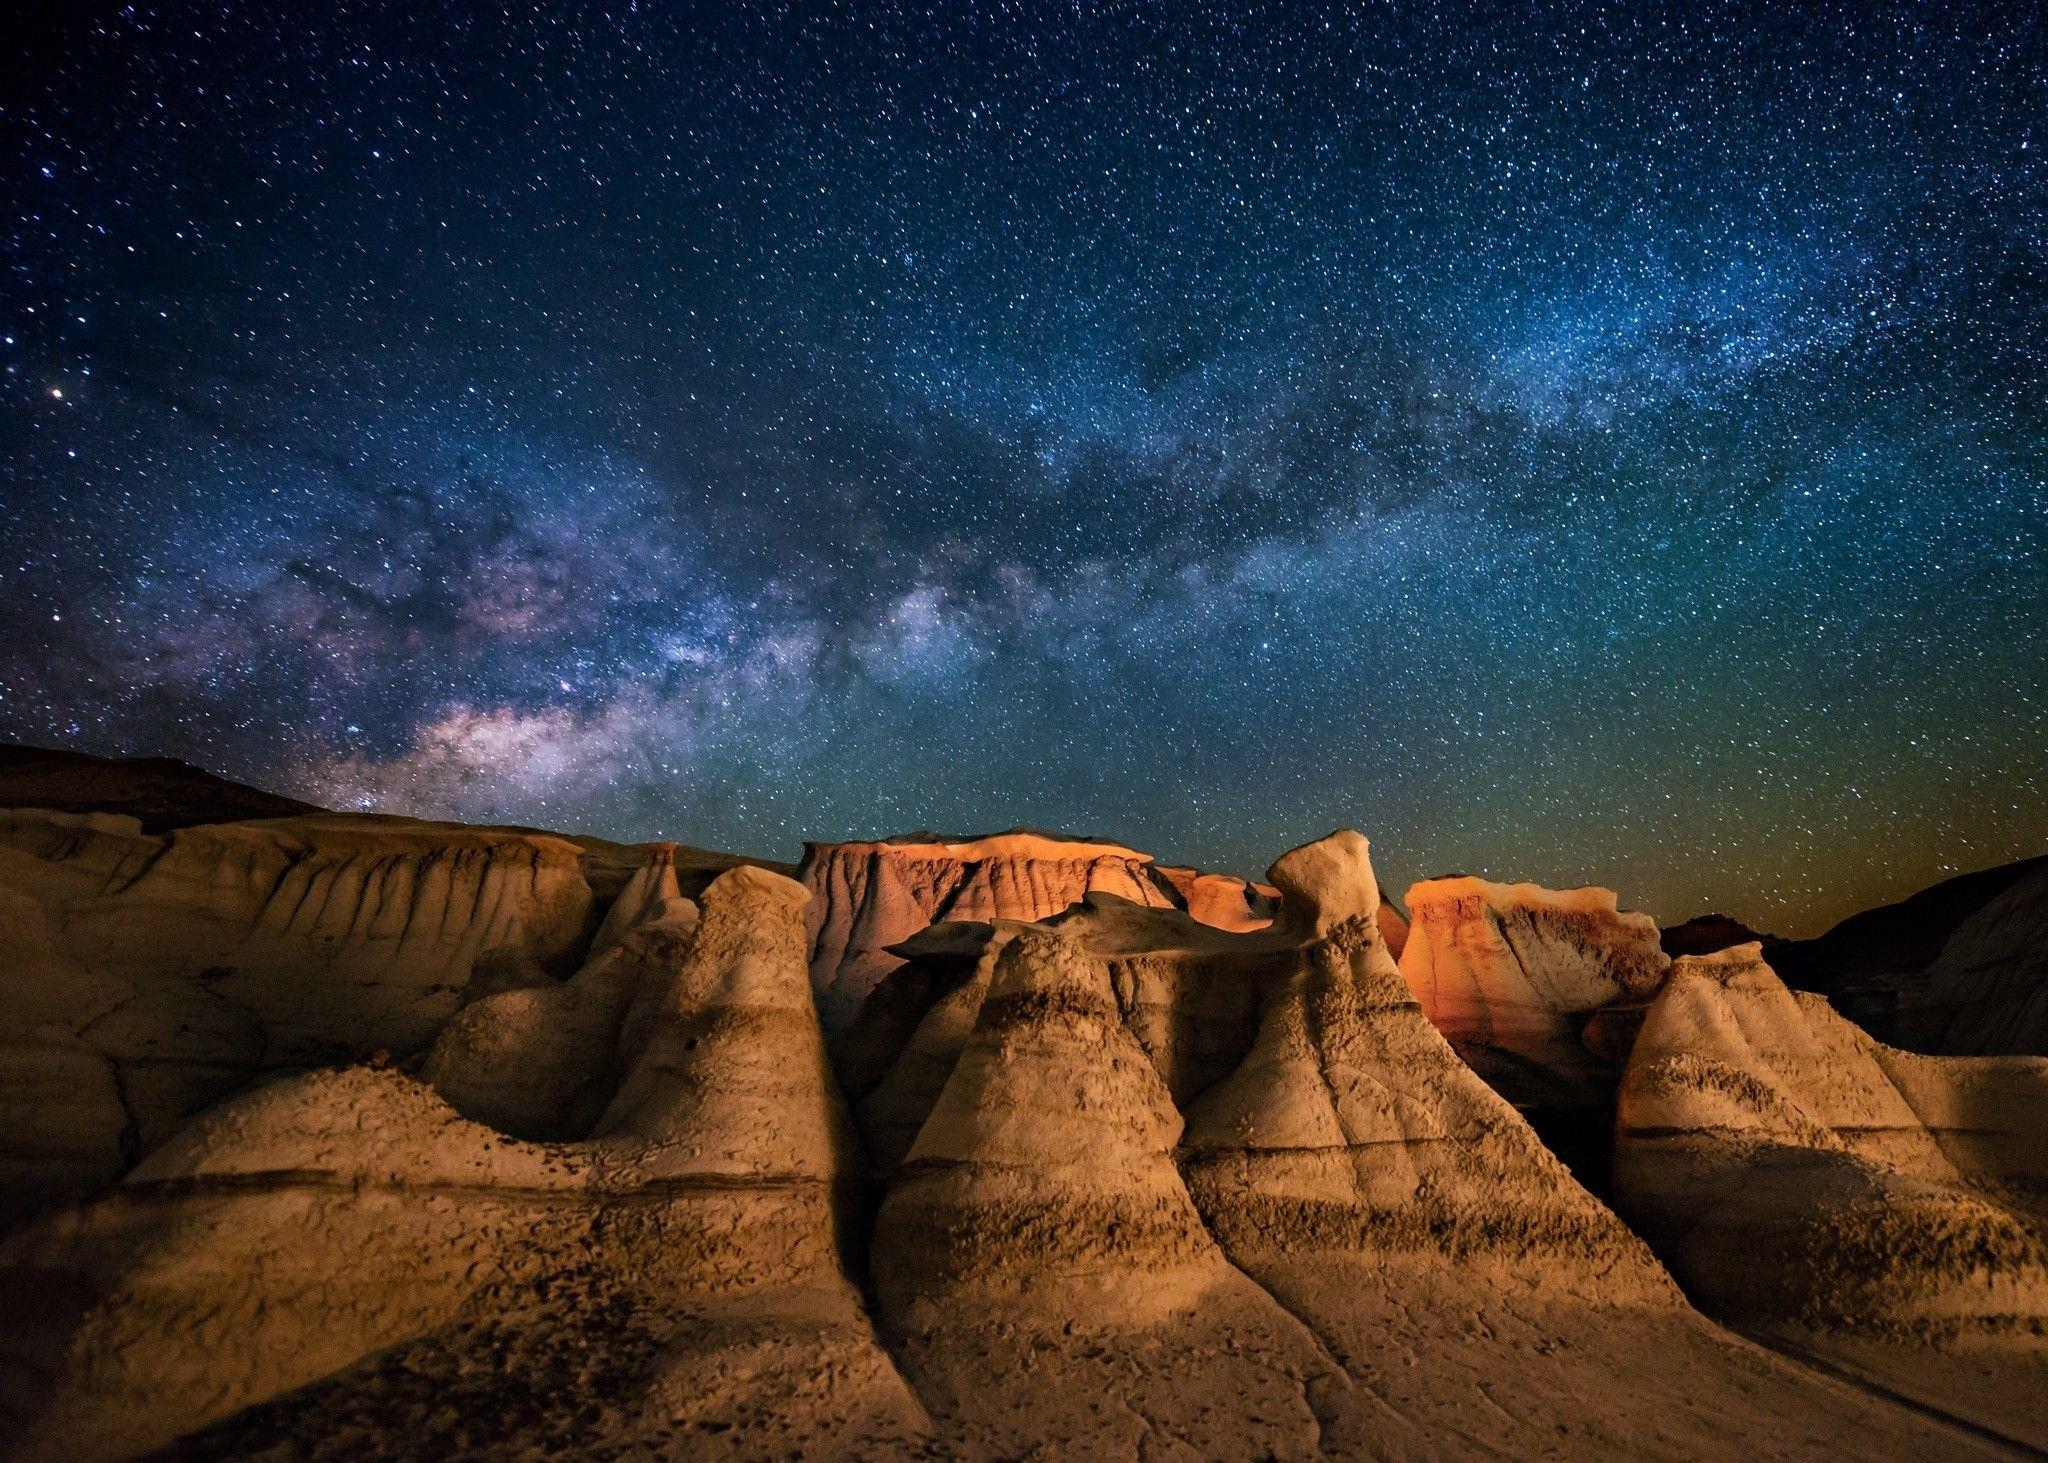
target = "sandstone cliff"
x: 874, y: 895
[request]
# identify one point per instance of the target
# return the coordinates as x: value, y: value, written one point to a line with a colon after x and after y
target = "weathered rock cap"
x: 1325, y: 885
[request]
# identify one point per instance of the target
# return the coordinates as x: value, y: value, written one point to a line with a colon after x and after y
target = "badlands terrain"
x: 350, y: 1136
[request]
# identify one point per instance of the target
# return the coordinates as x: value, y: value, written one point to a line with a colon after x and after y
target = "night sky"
x: 1582, y: 446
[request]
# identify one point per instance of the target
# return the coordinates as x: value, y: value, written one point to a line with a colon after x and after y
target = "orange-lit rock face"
x: 869, y: 896
x: 1220, y: 900
x: 1509, y: 971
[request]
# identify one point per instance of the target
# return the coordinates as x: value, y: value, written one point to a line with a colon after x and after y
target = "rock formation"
x: 872, y: 896
x: 1874, y: 964
x: 446, y: 1141
x: 1219, y: 900
x: 1512, y: 975
x: 1039, y: 1254
x: 165, y: 971
x: 1346, y: 1159
x: 1370, y: 1182
x: 1986, y: 993
x: 1859, y: 1202
x: 156, y: 973
x: 338, y: 1260
x: 907, y: 1067
x: 540, y: 1059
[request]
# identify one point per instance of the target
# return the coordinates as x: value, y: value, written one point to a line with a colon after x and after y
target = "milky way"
x: 1588, y: 446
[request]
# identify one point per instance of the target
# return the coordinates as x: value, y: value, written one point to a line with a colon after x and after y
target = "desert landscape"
x: 358, y: 1136
x: 956, y: 729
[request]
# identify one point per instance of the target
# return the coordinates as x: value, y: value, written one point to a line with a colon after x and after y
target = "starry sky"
x: 1579, y: 444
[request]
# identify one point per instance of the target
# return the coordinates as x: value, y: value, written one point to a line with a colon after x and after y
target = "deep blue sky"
x: 1581, y: 445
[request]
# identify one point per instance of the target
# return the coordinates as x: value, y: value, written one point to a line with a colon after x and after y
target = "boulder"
x: 1703, y: 934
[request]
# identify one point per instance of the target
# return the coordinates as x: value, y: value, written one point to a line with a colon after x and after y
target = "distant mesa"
x: 160, y: 793
x: 1957, y: 968
x: 1987, y: 991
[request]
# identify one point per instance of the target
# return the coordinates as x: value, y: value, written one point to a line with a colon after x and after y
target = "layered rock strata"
x: 1510, y: 972
x: 1384, y: 1194
x: 1039, y: 1254
x: 873, y: 896
x: 1877, y: 1207
x: 154, y: 974
x: 1164, y: 1170
x: 1461, y: 1292
x: 338, y: 1261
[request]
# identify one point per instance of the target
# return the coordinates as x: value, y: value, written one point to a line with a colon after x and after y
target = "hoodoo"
x: 1806, y: 1182
x: 1165, y: 1163
x: 1040, y: 1255
x: 429, y: 1285
x: 1509, y: 972
x: 1363, y: 1175
x: 873, y: 895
